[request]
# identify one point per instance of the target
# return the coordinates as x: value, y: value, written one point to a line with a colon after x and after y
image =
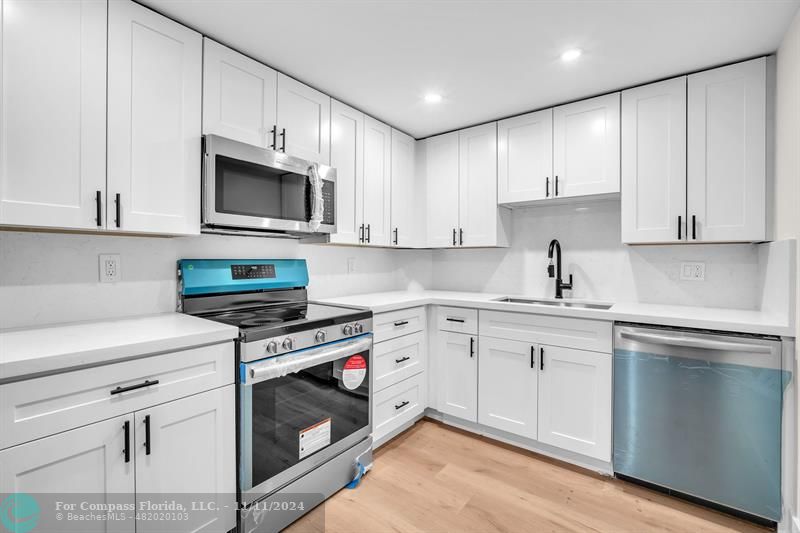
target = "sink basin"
x: 555, y: 303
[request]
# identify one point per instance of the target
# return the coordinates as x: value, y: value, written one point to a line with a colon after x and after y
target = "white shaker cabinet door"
x: 304, y: 121
x: 347, y: 157
x: 377, y: 182
x: 52, y: 145
x: 441, y: 176
x: 727, y: 153
x: 90, y: 460
x: 525, y: 158
x: 575, y: 401
x: 477, y: 186
x: 586, y: 147
x: 405, y: 212
x: 654, y: 162
x: 457, y: 388
x: 188, y: 446
x: 507, y: 388
x: 154, y: 112
x: 239, y: 96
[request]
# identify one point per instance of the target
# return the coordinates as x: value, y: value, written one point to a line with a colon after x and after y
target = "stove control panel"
x: 252, y: 271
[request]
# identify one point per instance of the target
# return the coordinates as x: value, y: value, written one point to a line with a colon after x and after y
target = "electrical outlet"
x: 351, y: 265
x: 109, y: 268
x: 693, y: 271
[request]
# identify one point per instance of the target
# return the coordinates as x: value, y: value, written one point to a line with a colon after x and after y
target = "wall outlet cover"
x: 693, y: 271
x: 351, y: 265
x: 110, y: 265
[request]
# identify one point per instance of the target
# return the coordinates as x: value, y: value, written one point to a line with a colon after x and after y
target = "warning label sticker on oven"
x: 354, y: 372
x: 315, y: 437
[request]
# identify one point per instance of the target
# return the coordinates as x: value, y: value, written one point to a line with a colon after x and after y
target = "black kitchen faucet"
x: 555, y: 271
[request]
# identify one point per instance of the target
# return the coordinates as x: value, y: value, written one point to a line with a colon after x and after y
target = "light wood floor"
x: 434, y: 478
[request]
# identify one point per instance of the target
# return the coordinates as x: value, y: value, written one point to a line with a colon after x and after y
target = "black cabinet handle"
x: 400, y: 323
x: 547, y: 187
x: 118, y: 220
x: 145, y: 383
x: 361, y: 233
x: 395, y: 236
x: 461, y: 236
x: 369, y: 233
x: 98, y: 207
x: 401, y: 405
x: 680, y: 225
x: 556, y: 185
x: 454, y: 236
x: 402, y: 359
x: 274, y: 132
x: 283, y: 140
x: 533, y: 357
x: 127, y: 450
x: 147, y: 435
x: 461, y: 320
x: 694, y: 227
x: 541, y: 358
x: 472, y: 346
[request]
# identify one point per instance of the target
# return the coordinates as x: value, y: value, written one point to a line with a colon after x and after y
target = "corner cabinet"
x: 405, y: 211
x: 694, y: 157
x: 457, y: 361
x: 154, y: 115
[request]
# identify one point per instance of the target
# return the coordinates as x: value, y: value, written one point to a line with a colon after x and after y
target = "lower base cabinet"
x: 575, y: 401
x: 508, y: 385
x: 397, y: 405
x: 457, y: 373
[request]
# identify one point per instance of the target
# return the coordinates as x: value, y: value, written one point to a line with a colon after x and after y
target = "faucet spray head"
x: 551, y: 269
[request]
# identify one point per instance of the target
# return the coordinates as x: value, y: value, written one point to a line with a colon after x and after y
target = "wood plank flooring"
x: 438, y: 479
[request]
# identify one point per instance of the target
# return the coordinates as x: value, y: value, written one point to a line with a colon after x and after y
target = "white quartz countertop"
x: 742, y: 321
x: 31, y: 351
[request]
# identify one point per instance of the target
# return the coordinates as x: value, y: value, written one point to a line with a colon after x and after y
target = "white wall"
x: 603, y: 268
x: 48, y: 278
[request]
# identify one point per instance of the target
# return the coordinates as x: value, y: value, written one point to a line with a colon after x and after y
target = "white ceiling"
x: 489, y: 59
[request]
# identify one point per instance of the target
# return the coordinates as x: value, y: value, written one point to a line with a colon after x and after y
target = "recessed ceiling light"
x: 571, y: 55
x: 433, y: 98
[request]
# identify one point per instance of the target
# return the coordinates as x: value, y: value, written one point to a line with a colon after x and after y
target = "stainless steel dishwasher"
x: 699, y: 413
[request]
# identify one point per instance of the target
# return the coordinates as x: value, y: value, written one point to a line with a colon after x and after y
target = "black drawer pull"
x: 145, y: 383
x: 127, y: 450
x: 98, y: 206
x: 401, y: 323
x: 460, y: 320
x: 147, y: 435
x: 401, y: 405
x: 472, y: 346
x: 406, y: 358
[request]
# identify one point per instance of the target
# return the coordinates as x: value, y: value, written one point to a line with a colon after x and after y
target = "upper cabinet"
x: 461, y: 178
x: 52, y: 149
x: 154, y: 108
x: 377, y: 182
x: 525, y: 158
x: 304, y: 121
x: 347, y: 157
x: 586, y: 147
x: 239, y: 96
x: 406, y: 228
x: 694, y: 157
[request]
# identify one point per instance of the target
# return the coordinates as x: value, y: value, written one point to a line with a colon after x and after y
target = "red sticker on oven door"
x: 354, y: 372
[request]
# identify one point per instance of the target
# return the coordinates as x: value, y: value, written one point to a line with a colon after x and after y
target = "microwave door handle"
x: 289, y: 364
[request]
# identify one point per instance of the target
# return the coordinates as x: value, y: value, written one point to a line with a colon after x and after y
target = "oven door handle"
x: 289, y: 364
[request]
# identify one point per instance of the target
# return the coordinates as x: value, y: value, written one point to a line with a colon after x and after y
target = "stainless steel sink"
x: 555, y: 303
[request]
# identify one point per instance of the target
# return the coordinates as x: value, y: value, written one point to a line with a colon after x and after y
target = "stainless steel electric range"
x: 304, y: 381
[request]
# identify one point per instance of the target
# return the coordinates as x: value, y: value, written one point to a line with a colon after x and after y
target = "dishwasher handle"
x: 695, y: 342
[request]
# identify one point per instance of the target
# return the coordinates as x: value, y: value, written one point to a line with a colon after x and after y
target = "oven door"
x: 299, y: 410
x: 252, y: 188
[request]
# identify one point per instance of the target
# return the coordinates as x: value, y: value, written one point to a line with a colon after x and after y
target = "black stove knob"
x: 272, y: 347
x: 358, y: 328
x: 288, y: 343
x: 347, y: 329
x: 320, y: 336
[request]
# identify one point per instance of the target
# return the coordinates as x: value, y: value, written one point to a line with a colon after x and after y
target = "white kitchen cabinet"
x: 188, y: 446
x: 525, y: 158
x: 53, y: 110
x: 239, y: 96
x: 654, y: 162
x: 441, y: 174
x: 586, y: 142
x: 377, y: 182
x: 154, y: 121
x: 726, y: 169
x: 304, y: 120
x: 575, y: 400
x: 89, y: 460
x: 457, y: 385
x: 405, y: 209
x: 347, y: 157
x: 481, y: 222
x: 507, y: 386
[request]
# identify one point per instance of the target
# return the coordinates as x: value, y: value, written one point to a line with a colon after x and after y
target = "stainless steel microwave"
x: 260, y: 191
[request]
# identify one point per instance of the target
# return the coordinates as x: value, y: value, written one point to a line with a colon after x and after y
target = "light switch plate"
x: 109, y: 268
x: 693, y: 271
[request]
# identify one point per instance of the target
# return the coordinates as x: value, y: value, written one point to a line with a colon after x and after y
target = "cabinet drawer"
x: 393, y: 324
x: 457, y: 319
x: 47, y: 405
x: 398, y: 359
x: 580, y: 333
x: 398, y: 404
